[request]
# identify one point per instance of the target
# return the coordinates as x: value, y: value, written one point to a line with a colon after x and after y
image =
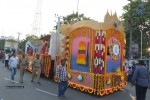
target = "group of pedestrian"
x: 21, y: 64
x: 140, y: 78
x: 7, y: 56
x: 130, y: 70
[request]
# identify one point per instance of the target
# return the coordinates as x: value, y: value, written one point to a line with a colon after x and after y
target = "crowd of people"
x: 14, y: 63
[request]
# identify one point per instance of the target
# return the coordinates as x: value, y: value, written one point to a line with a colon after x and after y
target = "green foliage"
x: 31, y: 37
x: 22, y: 44
x: 137, y: 23
x: 74, y: 16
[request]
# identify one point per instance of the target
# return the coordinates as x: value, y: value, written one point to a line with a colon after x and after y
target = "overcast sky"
x: 18, y: 15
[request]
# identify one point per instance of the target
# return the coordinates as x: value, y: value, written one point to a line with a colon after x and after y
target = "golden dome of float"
x: 109, y: 21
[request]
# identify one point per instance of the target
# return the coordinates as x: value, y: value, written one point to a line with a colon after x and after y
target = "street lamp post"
x: 130, y: 49
x: 77, y: 6
x: 18, y: 41
x: 141, y: 43
x: 148, y: 57
x: 149, y: 52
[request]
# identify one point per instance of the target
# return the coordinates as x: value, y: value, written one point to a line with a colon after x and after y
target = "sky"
x: 18, y: 15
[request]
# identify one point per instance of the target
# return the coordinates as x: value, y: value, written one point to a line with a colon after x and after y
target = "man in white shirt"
x: 6, y: 59
x: 13, y: 63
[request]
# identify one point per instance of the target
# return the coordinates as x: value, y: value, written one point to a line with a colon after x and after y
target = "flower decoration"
x: 122, y: 78
x: 81, y: 56
x: 69, y: 76
x: 114, y: 49
x: 118, y: 69
x: 80, y: 77
x: 30, y: 63
x: 108, y: 81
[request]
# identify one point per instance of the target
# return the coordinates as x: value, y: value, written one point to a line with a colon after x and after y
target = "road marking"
x: 10, y: 80
x: 46, y: 92
x: 131, y: 95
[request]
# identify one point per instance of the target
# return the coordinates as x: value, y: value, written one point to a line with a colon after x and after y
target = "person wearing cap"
x: 23, y: 62
x: 141, y: 80
x: 36, y: 67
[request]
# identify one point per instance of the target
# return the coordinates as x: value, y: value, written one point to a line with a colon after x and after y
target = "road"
x: 47, y: 90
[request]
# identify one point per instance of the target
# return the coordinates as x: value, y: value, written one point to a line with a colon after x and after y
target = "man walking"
x: 6, y: 59
x: 61, y: 73
x: 23, y: 62
x: 36, y: 67
x: 141, y: 79
x: 13, y: 63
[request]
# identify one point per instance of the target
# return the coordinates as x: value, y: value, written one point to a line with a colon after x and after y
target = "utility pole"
x: 77, y: 5
x: 18, y: 41
x: 77, y: 9
x: 130, y: 48
x: 131, y: 44
x: 141, y: 42
x: 58, y: 36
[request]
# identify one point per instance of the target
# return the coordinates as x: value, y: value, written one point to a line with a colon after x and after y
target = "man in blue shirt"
x: 141, y: 79
x: 13, y: 63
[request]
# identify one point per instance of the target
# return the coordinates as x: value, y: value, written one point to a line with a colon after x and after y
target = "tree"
x: 137, y: 23
x: 22, y: 44
x: 74, y: 16
x: 71, y: 18
x: 31, y: 37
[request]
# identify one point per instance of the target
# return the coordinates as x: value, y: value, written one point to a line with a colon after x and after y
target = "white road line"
x: 133, y: 97
x: 11, y: 80
x: 46, y: 92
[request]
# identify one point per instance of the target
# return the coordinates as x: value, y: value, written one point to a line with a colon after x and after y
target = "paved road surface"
x: 47, y: 90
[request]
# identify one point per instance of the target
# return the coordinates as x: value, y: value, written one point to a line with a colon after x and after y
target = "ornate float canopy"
x: 110, y: 21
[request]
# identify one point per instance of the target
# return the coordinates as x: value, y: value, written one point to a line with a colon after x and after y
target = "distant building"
x: 6, y: 44
x: 7, y: 38
x: 10, y: 44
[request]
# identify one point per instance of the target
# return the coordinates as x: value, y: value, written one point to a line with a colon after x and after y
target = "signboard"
x: 2, y: 44
x: 10, y: 44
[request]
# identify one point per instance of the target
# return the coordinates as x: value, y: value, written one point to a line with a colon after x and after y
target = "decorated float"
x: 95, y: 55
x: 39, y: 47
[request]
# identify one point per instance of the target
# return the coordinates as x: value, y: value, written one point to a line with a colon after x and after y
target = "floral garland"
x: 111, y: 52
